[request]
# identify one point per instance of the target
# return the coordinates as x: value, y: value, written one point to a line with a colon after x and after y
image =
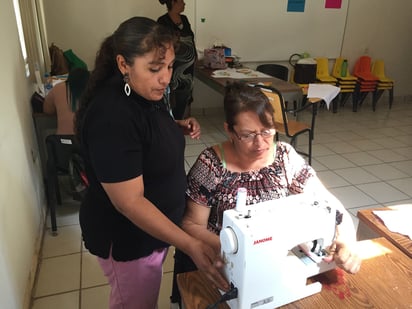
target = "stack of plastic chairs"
x: 346, y: 82
x: 323, y: 76
x: 384, y: 83
x: 367, y: 82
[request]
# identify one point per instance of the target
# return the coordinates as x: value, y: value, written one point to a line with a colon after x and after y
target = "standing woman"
x: 186, y: 55
x: 134, y: 157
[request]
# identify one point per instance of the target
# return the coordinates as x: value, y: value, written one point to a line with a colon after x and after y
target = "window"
x: 21, y: 35
x: 31, y: 33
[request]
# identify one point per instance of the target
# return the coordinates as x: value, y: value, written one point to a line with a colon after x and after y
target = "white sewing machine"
x: 261, y: 252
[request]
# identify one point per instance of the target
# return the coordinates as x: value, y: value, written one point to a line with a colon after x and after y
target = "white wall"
x: 382, y: 28
x: 383, y: 31
x: 21, y: 189
x: 82, y: 25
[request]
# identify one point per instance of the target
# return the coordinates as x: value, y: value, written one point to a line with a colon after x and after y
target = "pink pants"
x: 134, y: 284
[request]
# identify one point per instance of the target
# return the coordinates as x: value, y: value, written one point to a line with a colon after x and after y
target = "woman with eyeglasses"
x: 251, y: 159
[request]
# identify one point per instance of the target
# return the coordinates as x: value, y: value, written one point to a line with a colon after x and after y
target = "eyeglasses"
x: 249, y: 137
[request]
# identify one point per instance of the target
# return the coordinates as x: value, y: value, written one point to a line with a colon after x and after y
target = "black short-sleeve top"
x: 124, y: 138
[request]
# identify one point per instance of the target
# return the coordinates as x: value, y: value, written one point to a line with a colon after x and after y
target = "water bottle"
x: 48, y: 83
x: 344, y: 70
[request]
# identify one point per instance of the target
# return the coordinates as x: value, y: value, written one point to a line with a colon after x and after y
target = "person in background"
x: 63, y: 100
x: 186, y: 55
x: 134, y: 157
x: 268, y: 170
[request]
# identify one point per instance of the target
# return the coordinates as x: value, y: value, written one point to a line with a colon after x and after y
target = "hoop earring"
x: 127, y: 89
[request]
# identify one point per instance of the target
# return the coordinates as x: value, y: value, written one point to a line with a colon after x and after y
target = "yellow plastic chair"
x: 322, y: 72
x: 346, y: 81
x: 384, y: 83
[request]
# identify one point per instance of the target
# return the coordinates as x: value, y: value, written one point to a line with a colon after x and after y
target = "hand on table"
x: 211, y: 263
x: 344, y: 257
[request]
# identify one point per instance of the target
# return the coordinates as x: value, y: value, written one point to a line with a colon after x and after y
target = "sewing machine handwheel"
x: 228, y: 240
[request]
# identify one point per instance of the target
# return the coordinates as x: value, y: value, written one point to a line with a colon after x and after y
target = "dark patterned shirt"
x: 212, y: 185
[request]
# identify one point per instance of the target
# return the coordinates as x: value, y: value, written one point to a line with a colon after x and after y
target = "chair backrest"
x: 322, y: 67
x: 278, y: 104
x: 363, y: 65
x: 363, y: 69
x: 64, y: 157
x: 275, y: 70
x: 60, y: 149
x: 378, y: 69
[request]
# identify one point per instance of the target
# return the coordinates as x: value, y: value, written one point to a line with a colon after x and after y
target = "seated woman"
x: 251, y: 159
x: 63, y: 100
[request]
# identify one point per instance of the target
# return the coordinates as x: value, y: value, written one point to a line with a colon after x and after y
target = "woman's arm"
x: 128, y: 198
x: 195, y: 223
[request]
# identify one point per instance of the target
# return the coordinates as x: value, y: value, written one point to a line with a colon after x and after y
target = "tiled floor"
x: 364, y: 158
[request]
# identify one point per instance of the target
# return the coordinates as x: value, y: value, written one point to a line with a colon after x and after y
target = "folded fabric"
x: 325, y: 92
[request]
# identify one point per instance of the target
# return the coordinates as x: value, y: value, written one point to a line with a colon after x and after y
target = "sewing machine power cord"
x: 231, y: 294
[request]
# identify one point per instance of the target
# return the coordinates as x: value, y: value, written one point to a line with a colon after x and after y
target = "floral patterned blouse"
x: 212, y: 185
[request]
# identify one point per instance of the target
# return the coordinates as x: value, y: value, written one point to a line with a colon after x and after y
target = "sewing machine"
x: 271, y: 249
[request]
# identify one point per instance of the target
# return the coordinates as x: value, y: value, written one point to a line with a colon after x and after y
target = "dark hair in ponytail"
x: 134, y: 37
x: 168, y: 3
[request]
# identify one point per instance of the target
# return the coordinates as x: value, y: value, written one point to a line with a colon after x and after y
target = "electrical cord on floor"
x: 231, y: 294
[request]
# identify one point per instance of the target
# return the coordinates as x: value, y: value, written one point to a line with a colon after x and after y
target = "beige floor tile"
x: 385, y: 171
x: 332, y: 180
x: 67, y: 241
x: 356, y: 175
x: 361, y: 158
x: 61, y: 301
x: 67, y: 213
x: 95, y: 298
x: 58, y: 275
x: 404, y: 185
x: 92, y: 274
x: 335, y: 162
x: 352, y: 197
x: 194, y: 150
x: 382, y: 192
x: 387, y: 155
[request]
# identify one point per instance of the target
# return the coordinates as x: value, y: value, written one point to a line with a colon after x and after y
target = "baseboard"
x: 27, y: 302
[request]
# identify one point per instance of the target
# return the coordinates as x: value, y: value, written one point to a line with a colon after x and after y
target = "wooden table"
x: 291, y: 92
x: 384, y: 281
x: 371, y: 226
